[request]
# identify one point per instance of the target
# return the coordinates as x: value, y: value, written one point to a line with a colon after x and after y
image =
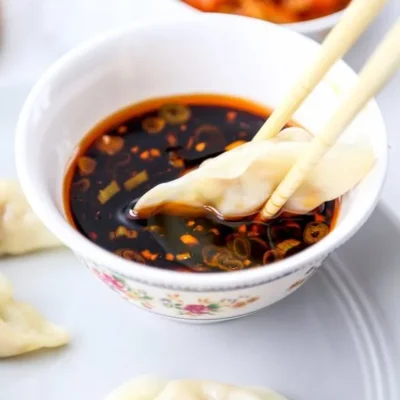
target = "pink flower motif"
x: 112, y: 281
x: 197, y: 308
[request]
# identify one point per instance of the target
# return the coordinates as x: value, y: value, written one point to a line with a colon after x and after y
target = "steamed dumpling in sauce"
x: 148, y: 388
x: 239, y: 182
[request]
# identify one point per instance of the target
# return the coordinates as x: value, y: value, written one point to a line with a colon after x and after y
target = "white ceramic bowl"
x: 201, y: 53
x: 316, y: 28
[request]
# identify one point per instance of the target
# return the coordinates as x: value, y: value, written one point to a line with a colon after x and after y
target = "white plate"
x: 335, y: 338
x: 330, y: 340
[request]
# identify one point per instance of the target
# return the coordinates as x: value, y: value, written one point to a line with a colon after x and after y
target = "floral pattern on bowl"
x: 203, y: 305
x: 118, y: 284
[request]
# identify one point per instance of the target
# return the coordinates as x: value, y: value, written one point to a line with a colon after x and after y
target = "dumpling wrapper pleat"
x: 148, y: 388
x: 239, y: 182
x: 22, y: 328
x: 21, y: 231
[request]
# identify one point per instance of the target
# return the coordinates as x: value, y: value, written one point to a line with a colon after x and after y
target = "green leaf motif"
x: 117, y: 278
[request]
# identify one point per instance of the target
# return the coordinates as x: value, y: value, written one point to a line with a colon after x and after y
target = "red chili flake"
x: 155, y: 152
x: 122, y: 231
x: 134, y: 149
x: 150, y: 154
x: 175, y: 160
x: 200, y: 146
x: 247, y: 263
x: 148, y: 255
x: 231, y: 116
x: 122, y: 129
x: 183, y: 256
x: 189, y: 240
x: 145, y: 155
x: 172, y: 140
x: 93, y: 235
x: 242, y: 229
x: 198, y: 228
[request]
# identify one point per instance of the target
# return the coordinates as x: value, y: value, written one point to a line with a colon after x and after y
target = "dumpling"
x: 207, y: 390
x: 148, y: 388
x: 22, y: 328
x: 239, y: 182
x: 21, y: 231
x: 141, y: 388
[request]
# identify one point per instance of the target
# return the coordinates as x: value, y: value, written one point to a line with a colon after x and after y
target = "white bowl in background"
x: 202, y: 53
x: 316, y: 28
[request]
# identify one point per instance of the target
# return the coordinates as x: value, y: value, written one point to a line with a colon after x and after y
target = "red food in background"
x: 205, y: 5
x: 278, y: 11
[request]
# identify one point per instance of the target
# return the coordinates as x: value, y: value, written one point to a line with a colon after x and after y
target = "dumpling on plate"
x: 239, y: 182
x: 21, y: 231
x: 149, y: 388
x: 22, y: 328
x: 142, y: 388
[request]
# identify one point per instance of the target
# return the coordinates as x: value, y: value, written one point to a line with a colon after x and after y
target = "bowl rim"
x: 91, y: 252
x: 315, y: 25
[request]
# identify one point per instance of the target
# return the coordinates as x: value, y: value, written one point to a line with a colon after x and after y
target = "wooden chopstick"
x: 378, y: 69
x: 353, y: 23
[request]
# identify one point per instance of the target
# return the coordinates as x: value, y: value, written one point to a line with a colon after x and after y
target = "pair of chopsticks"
x: 377, y: 70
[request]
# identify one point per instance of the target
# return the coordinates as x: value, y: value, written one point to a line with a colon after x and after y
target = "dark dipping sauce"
x: 160, y: 140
